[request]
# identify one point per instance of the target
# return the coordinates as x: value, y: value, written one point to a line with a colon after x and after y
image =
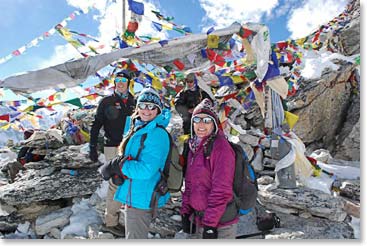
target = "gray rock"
x: 248, y: 149
x: 249, y: 139
x: 55, y: 233
x: 56, y: 219
x: 257, y: 162
x: 269, y: 163
x: 294, y: 227
x: 303, y: 199
x: 265, y: 180
x: 31, y: 187
x: 265, y: 142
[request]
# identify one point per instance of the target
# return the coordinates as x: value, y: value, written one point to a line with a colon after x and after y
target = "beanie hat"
x: 150, y: 95
x: 206, y: 107
x: 28, y: 133
x: 190, y: 76
x: 125, y: 74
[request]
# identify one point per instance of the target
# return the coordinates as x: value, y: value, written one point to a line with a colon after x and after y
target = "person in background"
x: 111, y: 115
x: 142, y: 169
x: 28, y: 154
x: 185, y: 102
x: 208, y: 180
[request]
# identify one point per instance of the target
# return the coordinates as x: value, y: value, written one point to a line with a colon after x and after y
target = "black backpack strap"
x: 209, y: 146
x: 143, y: 137
x: 165, y: 172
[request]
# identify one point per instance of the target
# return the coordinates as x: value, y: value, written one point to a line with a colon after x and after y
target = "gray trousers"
x: 112, y: 206
x: 137, y: 223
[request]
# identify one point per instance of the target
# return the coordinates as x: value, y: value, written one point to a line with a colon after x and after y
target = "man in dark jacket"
x: 185, y: 102
x: 187, y: 99
x: 111, y: 115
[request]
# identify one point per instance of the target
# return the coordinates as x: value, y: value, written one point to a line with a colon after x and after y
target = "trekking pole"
x: 262, y: 233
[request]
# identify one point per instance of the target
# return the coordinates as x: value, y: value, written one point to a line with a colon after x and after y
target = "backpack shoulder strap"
x: 209, y: 146
x: 143, y: 137
x: 166, y: 164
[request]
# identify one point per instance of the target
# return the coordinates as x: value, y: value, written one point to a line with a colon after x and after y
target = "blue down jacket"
x: 143, y: 174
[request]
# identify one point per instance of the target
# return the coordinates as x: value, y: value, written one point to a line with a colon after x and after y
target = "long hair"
x: 131, y: 131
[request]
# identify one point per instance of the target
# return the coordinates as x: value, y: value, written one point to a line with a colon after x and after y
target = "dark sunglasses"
x: 189, y: 81
x: 147, y: 106
x: 121, y: 80
x: 206, y: 120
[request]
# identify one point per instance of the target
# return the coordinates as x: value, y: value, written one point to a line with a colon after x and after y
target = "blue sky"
x: 25, y: 20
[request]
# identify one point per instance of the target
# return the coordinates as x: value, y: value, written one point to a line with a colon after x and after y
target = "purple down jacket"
x: 209, y: 182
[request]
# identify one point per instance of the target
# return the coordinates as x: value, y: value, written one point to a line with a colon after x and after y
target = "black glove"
x: 186, y: 224
x: 210, y: 232
x: 112, y: 168
x: 117, y: 180
x: 93, y: 155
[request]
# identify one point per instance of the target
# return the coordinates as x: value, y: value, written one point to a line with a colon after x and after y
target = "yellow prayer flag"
x: 237, y: 79
x: 5, y: 127
x: 167, y: 26
x: 278, y: 55
x: 213, y: 41
x: 183, y: 138
x: 250, y: 56
x: 65, y: 32
x: 290, y: 118
x: 85, y: 135
x: 131, y: 87
x: 300, y: 41
x: 316, y: 172
x: 156, y: 83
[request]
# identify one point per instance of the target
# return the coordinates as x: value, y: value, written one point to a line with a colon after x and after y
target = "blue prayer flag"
x: 136, y: 7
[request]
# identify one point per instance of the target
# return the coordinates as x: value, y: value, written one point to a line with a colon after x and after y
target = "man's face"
x: 190, y: 83
x: 121, y: 84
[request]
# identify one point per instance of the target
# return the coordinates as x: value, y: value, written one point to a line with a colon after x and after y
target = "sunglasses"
x: 189, y: 81
x: 147, y: 106
x: 121, y: 80
x: 206, y: 120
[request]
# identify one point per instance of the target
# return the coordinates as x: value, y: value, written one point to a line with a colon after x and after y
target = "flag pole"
x: 123, y: 16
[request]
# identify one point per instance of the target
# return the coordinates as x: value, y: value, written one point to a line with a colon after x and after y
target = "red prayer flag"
x: 214, y: 57
x: 132, y: 26
x: 179, y: 64
x: 282, y: 45
x: 212, y: 69
x: 316, y: 37
x: 5, y: 117
x: 244, y: 33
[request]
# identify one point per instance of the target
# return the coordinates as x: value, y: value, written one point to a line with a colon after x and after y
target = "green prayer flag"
x: 75, y: 101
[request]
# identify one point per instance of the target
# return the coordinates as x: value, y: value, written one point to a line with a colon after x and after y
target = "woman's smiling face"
x: 147, y: 111
x: 203, y: 125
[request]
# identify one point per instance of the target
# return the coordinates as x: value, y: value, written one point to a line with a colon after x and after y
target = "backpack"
x: 172, y: 173
x: 244, y: 184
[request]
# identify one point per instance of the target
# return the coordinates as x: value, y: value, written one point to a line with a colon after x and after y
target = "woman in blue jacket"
x: 143, y: 173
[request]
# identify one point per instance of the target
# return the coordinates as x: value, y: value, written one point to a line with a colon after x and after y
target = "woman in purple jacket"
x: 209, y: 178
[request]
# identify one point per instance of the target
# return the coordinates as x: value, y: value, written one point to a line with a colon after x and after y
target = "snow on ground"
x: 316, y: 61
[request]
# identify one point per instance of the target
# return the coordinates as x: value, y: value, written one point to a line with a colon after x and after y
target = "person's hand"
x: 210, y: 232
x: 186, y: 224
x: 93, y: 155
